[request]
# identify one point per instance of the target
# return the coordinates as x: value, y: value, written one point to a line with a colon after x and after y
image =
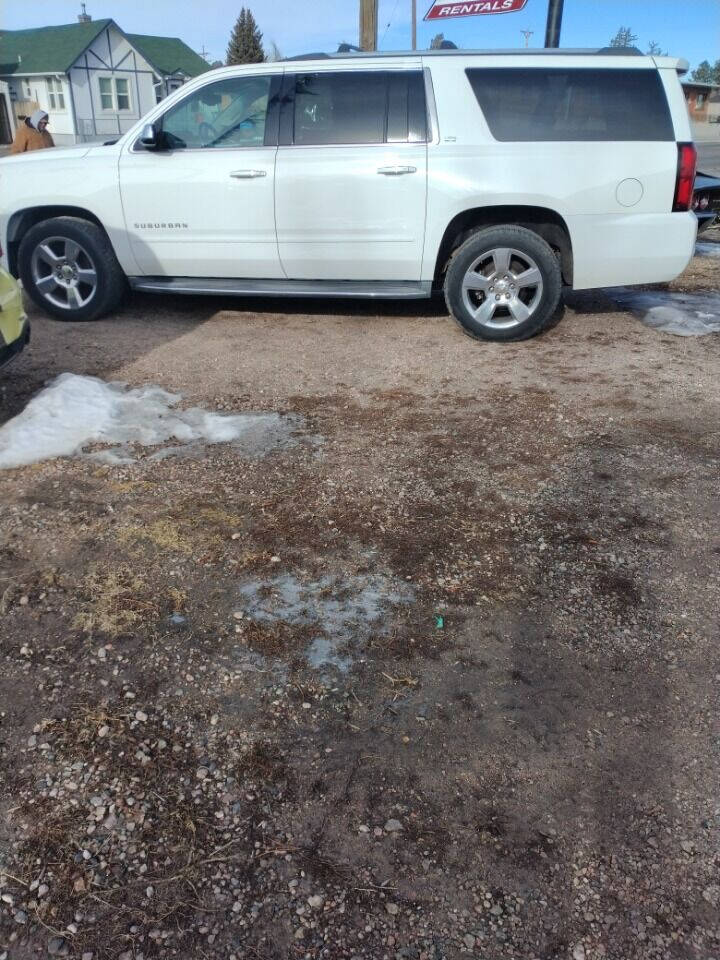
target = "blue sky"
x: 685, y: 28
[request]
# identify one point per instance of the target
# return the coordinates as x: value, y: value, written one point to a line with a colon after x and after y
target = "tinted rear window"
x: 524, y: 104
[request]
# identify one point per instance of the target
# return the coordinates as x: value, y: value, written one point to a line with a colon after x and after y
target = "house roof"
x: 168, y: 54
x: 46, y: 49
x: 55, y: 49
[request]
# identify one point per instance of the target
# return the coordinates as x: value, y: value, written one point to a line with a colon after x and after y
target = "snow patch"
x: 707, y: 249
x: 683, y: 314
x: 74, y: 412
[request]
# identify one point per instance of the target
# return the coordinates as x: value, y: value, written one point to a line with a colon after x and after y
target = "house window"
x: 56, y: 97
x: 122, y: 93
x: 114, y: 93
x: 700, y: 100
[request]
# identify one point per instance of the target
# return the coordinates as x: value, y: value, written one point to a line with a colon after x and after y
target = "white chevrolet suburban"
x: 497, y: 177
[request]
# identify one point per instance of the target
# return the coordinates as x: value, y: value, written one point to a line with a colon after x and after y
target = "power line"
x: 389, y: 22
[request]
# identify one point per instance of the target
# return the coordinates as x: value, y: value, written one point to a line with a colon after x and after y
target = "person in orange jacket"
x: 33, y: 134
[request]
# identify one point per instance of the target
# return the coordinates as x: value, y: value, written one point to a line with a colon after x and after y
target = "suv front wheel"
x: 503, y: 283
x: 69, y: 268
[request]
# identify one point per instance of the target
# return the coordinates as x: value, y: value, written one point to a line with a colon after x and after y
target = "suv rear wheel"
x: 503, y: 283
x: 69, y: 268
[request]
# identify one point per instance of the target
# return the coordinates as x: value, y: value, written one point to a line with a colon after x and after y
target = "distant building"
x: 703, y: 102
x: 93, y: 79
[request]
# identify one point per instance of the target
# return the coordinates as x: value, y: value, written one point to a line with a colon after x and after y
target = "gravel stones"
x: 393, y: 826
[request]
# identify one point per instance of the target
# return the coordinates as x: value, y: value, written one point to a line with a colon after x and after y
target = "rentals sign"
x: 444, y: 11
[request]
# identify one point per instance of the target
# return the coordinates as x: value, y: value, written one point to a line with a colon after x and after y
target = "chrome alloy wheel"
x: 502, y: 288
x: 63, y: 273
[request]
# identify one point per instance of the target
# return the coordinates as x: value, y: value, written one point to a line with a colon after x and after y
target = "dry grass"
x: 117, y: 601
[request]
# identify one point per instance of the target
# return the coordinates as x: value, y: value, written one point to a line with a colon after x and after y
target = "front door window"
x: 229, y: 113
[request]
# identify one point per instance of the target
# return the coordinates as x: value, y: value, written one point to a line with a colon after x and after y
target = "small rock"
x: 201, y: 773
x: 88, y: 955
x: 469, y: 941
x: 579, y: 952
x: 24, y: 601
x: 58, y: 947
x: 20, y: 917
x: 141, y: 716
x: 104, y: 730
x: 711, y: 894
x: 7, y: 898
x: 392, y: 826
x: 363, y: 828
x: 393, y: 909
x: 274, y: 559
x: 687, y: 845
x: 316, y: 901
x: 239, y: 615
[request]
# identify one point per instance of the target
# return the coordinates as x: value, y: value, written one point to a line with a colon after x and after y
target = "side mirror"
x: 150, y: 137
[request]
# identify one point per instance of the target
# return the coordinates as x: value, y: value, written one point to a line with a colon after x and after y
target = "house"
x: 703, y: 103
x: 93, y: 79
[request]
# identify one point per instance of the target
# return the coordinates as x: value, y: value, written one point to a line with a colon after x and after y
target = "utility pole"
x: 527, y: 34
x: 414, y: 24
x: 368, y: 24
x: 554, y: 22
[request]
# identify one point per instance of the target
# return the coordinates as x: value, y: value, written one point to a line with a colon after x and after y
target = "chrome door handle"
x: 248, y: 174
x: 396, y: 171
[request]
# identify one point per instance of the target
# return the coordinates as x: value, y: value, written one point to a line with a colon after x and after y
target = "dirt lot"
x: 439, y: 679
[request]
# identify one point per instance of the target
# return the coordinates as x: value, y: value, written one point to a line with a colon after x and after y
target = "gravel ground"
x: 438, y: 680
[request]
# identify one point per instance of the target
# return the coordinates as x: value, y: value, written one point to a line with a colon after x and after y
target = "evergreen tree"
x: 623, y: 38
x: 245, y: 41
x: 703, y: 73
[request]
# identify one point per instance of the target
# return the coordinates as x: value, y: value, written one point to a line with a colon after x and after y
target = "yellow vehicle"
x: 14, y: 324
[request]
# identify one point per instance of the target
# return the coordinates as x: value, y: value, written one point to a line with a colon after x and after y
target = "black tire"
x: 95, y: 283
x: 475, y: 264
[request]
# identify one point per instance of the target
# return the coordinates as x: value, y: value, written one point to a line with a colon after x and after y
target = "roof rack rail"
x: 346, y: 51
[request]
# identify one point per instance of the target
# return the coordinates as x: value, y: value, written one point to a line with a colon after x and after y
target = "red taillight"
x: 687, y: 158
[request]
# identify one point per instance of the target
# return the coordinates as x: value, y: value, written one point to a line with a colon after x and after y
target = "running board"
x: 392, y: 289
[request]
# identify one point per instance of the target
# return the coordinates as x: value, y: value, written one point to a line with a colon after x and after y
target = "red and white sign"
x: 445, y: 11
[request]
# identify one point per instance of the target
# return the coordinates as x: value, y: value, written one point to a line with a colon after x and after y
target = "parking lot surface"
x: 436, y: 676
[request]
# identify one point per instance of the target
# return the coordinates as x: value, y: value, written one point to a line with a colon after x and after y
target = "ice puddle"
x: 684, y: 314
x: 344, y: 610
x: 74, y: 412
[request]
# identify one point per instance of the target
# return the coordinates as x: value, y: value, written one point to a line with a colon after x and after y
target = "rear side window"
x: 359, y: 106
x: 534, y: 104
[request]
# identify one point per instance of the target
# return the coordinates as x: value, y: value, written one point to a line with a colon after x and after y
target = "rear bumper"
x: 621, y: 249
x: 9, y: 351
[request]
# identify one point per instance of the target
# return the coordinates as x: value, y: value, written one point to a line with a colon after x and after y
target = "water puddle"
x: 682, y: 314
x: 344, y: 610
x: 704, y: 248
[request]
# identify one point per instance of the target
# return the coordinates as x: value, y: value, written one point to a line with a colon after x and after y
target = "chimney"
x: 84, y: 17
